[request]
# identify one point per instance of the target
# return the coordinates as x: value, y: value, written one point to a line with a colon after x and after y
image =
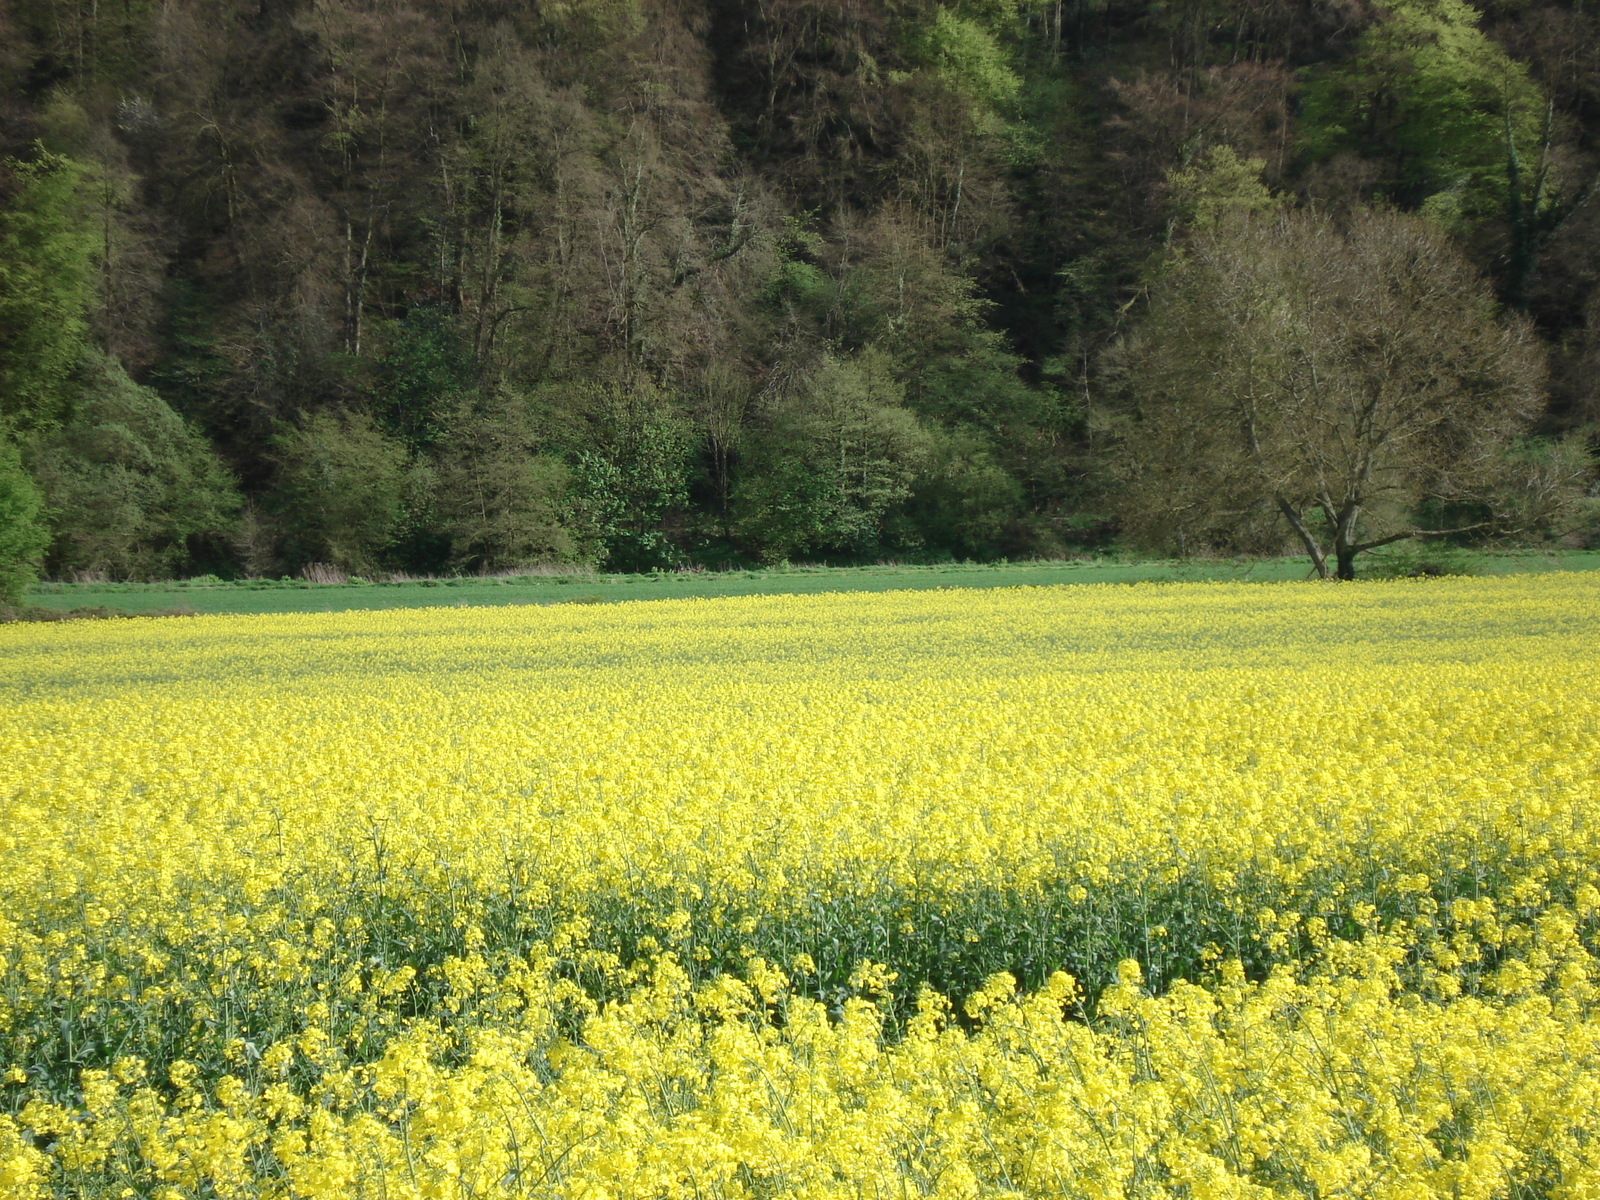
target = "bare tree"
x: 1339, y: 378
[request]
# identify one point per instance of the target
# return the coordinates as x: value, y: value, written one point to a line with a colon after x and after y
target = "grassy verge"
x: 282, y: 596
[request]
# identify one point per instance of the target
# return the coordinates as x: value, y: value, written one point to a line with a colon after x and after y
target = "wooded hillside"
x: 463, y: 285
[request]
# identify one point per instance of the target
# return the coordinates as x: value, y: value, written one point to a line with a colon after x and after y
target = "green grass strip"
x: 286, y: 596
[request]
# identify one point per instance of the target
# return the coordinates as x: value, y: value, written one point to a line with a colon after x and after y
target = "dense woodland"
x: 468, y: 285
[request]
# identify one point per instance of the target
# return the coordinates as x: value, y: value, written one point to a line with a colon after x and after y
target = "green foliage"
x: 974, y: 385
x: 832, y: 470
x: 419, y: 378
x: 47, y: 250
x: 1219, y: 187
x: 501, y: 502
x: 965, y: 53
x: 341, y: 491
x: 592, y: 22
x: 1438, y: 100
x: 803, y: 284
x: 800, y: 288
x: 134, y: 491
x: 631, y: 476
x: 192, y: 371
x: 964, y: 502
x: 602, y: 203
x: 96, y: 43
x: 23, y: 536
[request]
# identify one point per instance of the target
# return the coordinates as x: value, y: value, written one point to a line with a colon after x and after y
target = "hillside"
x: 467, y: 286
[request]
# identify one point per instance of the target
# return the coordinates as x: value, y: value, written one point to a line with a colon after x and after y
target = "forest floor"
x: 189, y: 597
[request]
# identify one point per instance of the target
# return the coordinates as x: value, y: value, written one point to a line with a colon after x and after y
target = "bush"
x: 1419, y: 559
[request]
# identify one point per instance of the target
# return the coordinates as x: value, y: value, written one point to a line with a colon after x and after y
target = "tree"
x: 835, y: 463
x: 47, y: 249
x: 501, y: 502
x: 1461, y: 127
x: 632, y: 456
x: 422, y: 374
x: 1335, y: 377
x: 1433, y: 95
x: 23, y: 536
x: 134, y: 491
x: 966, y: 503
x: 341, y: 491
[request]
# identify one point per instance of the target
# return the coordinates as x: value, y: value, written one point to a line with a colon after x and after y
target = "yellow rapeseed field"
x: 1169, y: 890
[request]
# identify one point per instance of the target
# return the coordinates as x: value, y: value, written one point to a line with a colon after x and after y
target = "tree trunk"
x: 1319, y: 558
x: 1345, y: 547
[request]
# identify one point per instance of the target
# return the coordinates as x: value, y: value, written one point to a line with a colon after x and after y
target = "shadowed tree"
x: 341, y: 491
x: 835, y: 462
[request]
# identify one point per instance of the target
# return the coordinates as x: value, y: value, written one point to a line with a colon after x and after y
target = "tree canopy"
x: 1343, y: 376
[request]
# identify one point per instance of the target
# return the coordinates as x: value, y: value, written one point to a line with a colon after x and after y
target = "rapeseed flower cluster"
x: 1181, y: 890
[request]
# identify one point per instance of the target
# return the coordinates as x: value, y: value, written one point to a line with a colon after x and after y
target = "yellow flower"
x: 501, y: 902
